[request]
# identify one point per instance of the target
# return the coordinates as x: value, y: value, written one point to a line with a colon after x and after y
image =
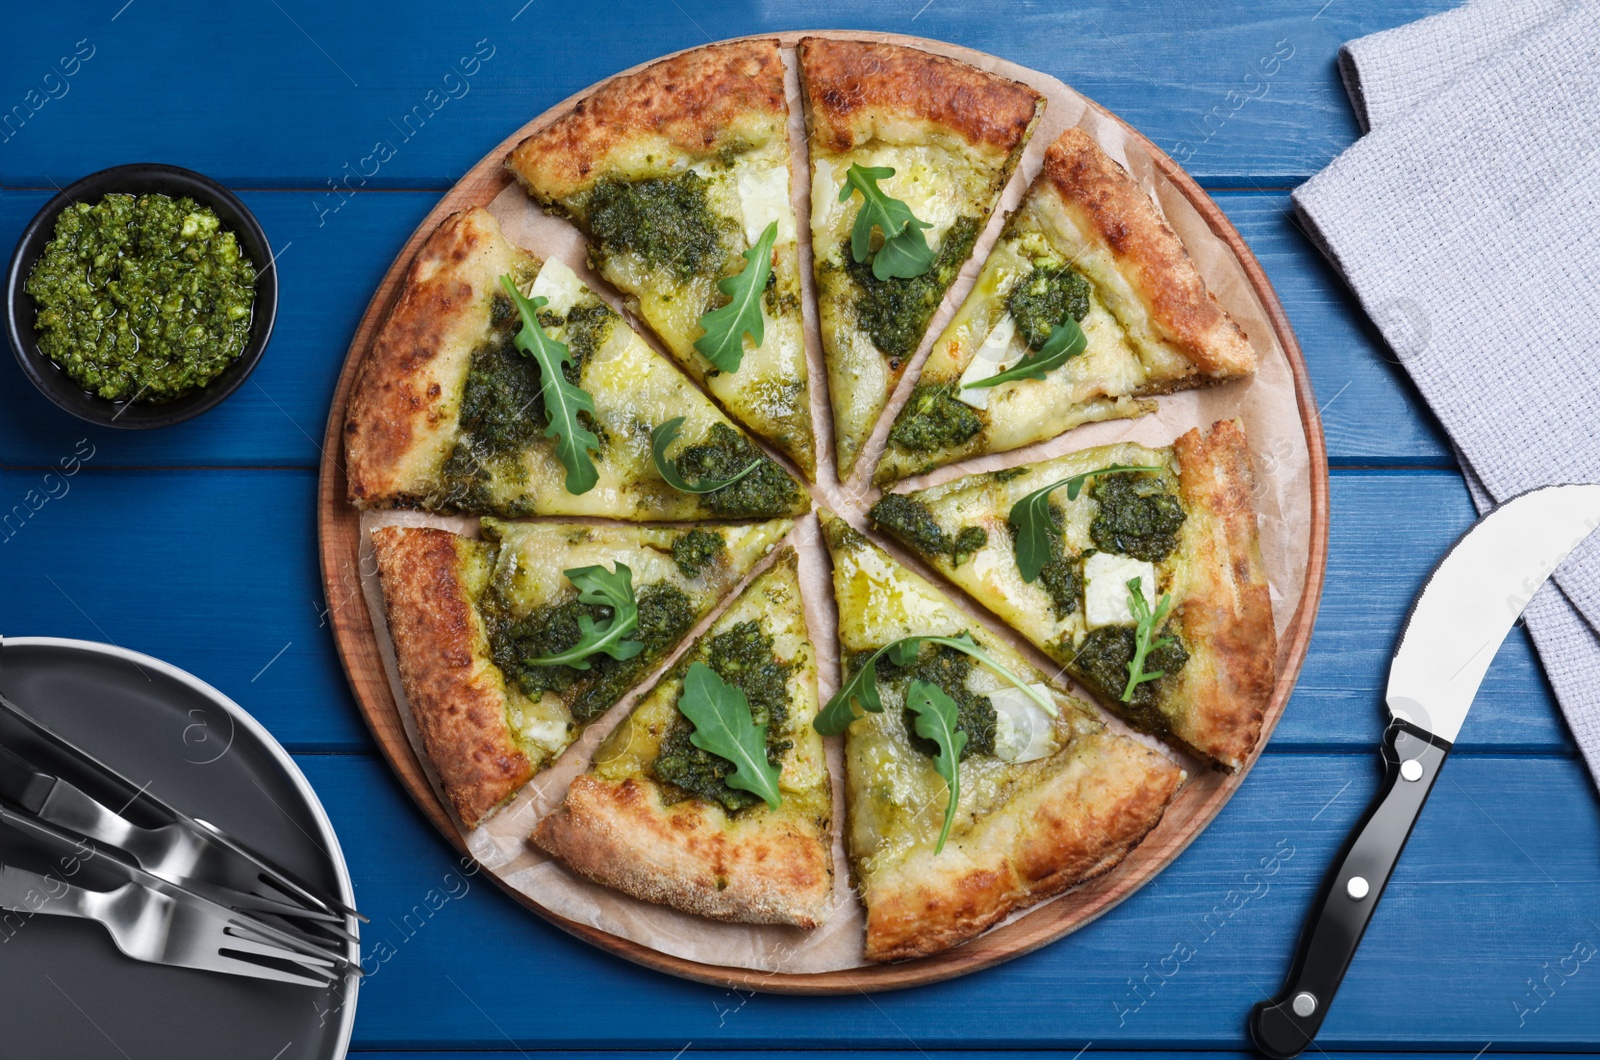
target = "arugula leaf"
x: 661, y: 440
x: 725, y: 327
x: 724, y: 726
x: 936, y: 720
x: 1143, y: 645
x: 862, y: 687
x: 1030, y: 518
x: 905, y: 252
x: 596, y: 585
x: 1066, y: 341
x: 562, y: 401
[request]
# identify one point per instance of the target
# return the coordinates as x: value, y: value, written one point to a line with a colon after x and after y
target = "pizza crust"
x: 457, y: 696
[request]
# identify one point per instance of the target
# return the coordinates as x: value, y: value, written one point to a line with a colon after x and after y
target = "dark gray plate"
x: 65, y: 990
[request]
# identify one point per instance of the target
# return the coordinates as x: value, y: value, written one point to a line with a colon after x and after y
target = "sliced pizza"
x: 904, y: 139
x: 1137, y: 569
x: 1088, y: 306
x: 713, y: 795
x: 453, y: 409
x: 1043, y: 795
x: 509, y: 645
x: 679, y: 175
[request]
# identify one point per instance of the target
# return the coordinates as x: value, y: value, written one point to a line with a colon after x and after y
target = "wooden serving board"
x: 339, y: 531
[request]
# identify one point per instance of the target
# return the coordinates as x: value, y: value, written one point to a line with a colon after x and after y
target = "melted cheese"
x: 998, y: 352
x: 764, y: 197
x: 559, y: 286
x: 1105, y: 588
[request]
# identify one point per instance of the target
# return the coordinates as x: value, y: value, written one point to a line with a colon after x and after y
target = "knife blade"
x: 1457, y: 623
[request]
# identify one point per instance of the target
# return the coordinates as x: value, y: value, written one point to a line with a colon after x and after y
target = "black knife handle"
x: 1350, y: 891
x: 22, y: 784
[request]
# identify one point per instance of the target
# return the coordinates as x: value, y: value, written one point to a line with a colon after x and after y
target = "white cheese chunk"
x: 764, y: 194
x: 993, y: 357
x: 559, y: 286
x: 1022, y: 731
x: 549, y: 733
x: 1105, y: 588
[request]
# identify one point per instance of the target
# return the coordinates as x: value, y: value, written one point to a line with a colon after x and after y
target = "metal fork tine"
x: 262, y: 971
x: 262, y: 949
x: 321, y: 949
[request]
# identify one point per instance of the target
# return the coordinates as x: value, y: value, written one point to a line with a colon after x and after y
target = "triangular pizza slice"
x: 1086, y: 263
x: 658, y: 815
x: 951, y: 134
x: 1042, y: 804
x: 1194, y: 658
x: 451, y: 413
x: 510, y: 644
x: 676, y: 173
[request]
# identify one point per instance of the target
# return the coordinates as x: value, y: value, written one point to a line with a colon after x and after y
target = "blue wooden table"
x: 196, y: 543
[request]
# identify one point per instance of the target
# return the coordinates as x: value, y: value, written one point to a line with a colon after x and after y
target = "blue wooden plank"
x: 1496, y: 889
x: 215, y: 571
x: 293, y: 93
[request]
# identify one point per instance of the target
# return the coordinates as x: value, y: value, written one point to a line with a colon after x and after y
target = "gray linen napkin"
x: 1468, y: 223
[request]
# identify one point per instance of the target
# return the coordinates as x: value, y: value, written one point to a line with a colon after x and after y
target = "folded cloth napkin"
x: 1467, y: 221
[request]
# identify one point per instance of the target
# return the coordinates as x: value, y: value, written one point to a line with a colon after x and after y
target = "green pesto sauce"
x: 742, y: 657
x: 665, y: 614
x: 895, y: 312
x: 1138, y: 515
x: 1101, y: 662
x: 696, y: 550
x: 765, y: 492
x: 1044, y: 298
x: 948, y: 669
x: 142, y: 298
x: 1061, y: 577
x: 1005, y: 475
x: 667, y: 221
x: 934, y: 419
x: 912, y: 522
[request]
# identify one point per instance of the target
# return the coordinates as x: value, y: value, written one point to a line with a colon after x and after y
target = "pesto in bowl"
x: 142, y: 298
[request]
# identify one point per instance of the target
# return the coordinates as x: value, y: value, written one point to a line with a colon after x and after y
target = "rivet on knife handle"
x: 1285, y: 1025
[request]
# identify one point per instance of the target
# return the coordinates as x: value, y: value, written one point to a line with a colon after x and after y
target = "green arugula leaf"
x: 596, y: 585
x: 661, y: 440
x: 1066, y: 341
x: 905, y: 252
x: 562, y: 401
x: 1143, y: 644
x: 724, y: 726
x: 862, y: 687
x: 1030, y: 518
x: 936, y: 720
x: 725, y: 327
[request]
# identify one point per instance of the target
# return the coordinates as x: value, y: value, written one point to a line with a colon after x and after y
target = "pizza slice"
x: 1193, y: 657
x: 677, y: 173
x: 1042, y: 803
x: 1085, y: 264
x: 451, y: 413
x: 510, y: 644
x: 951, y: 134
x: 663, y: 819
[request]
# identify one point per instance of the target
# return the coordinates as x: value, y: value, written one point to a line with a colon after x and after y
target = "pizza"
x: 467, y: 615
x: 1086, y: 243
x: 448, y: 415
x: 675, y: 173
x: 1044, y: 803
x: 655, y: 815
x: 1185, y: 529
x: 951, y: 134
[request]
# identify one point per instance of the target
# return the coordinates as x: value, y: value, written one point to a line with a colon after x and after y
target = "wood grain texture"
x: 1200, y: 801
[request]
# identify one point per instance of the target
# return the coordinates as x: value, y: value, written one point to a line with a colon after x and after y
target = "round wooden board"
x: 338, y: 525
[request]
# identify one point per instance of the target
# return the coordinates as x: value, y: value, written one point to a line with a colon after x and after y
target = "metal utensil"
x: 1469, y: 604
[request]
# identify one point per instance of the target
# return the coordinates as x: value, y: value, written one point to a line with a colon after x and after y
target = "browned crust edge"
x: 1075, y: 826
x: 696, y: 102
x: 1226, y: 612
x: 852, y: 86
x: 456, y: 697
x: 1115, y: 212
x: 774, y: 869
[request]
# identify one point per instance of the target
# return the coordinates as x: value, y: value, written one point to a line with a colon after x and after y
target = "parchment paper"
x: 1266, y: 404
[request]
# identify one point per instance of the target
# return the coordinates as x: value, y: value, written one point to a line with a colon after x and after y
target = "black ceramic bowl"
x: 137, y: 179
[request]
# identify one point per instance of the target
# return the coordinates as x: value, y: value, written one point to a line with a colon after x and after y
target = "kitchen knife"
x: 1466, y: 608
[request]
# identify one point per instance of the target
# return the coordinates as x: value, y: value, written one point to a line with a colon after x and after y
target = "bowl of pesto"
x: 141, y: 296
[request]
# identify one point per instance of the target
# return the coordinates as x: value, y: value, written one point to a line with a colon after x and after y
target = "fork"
x: 164, y: 929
